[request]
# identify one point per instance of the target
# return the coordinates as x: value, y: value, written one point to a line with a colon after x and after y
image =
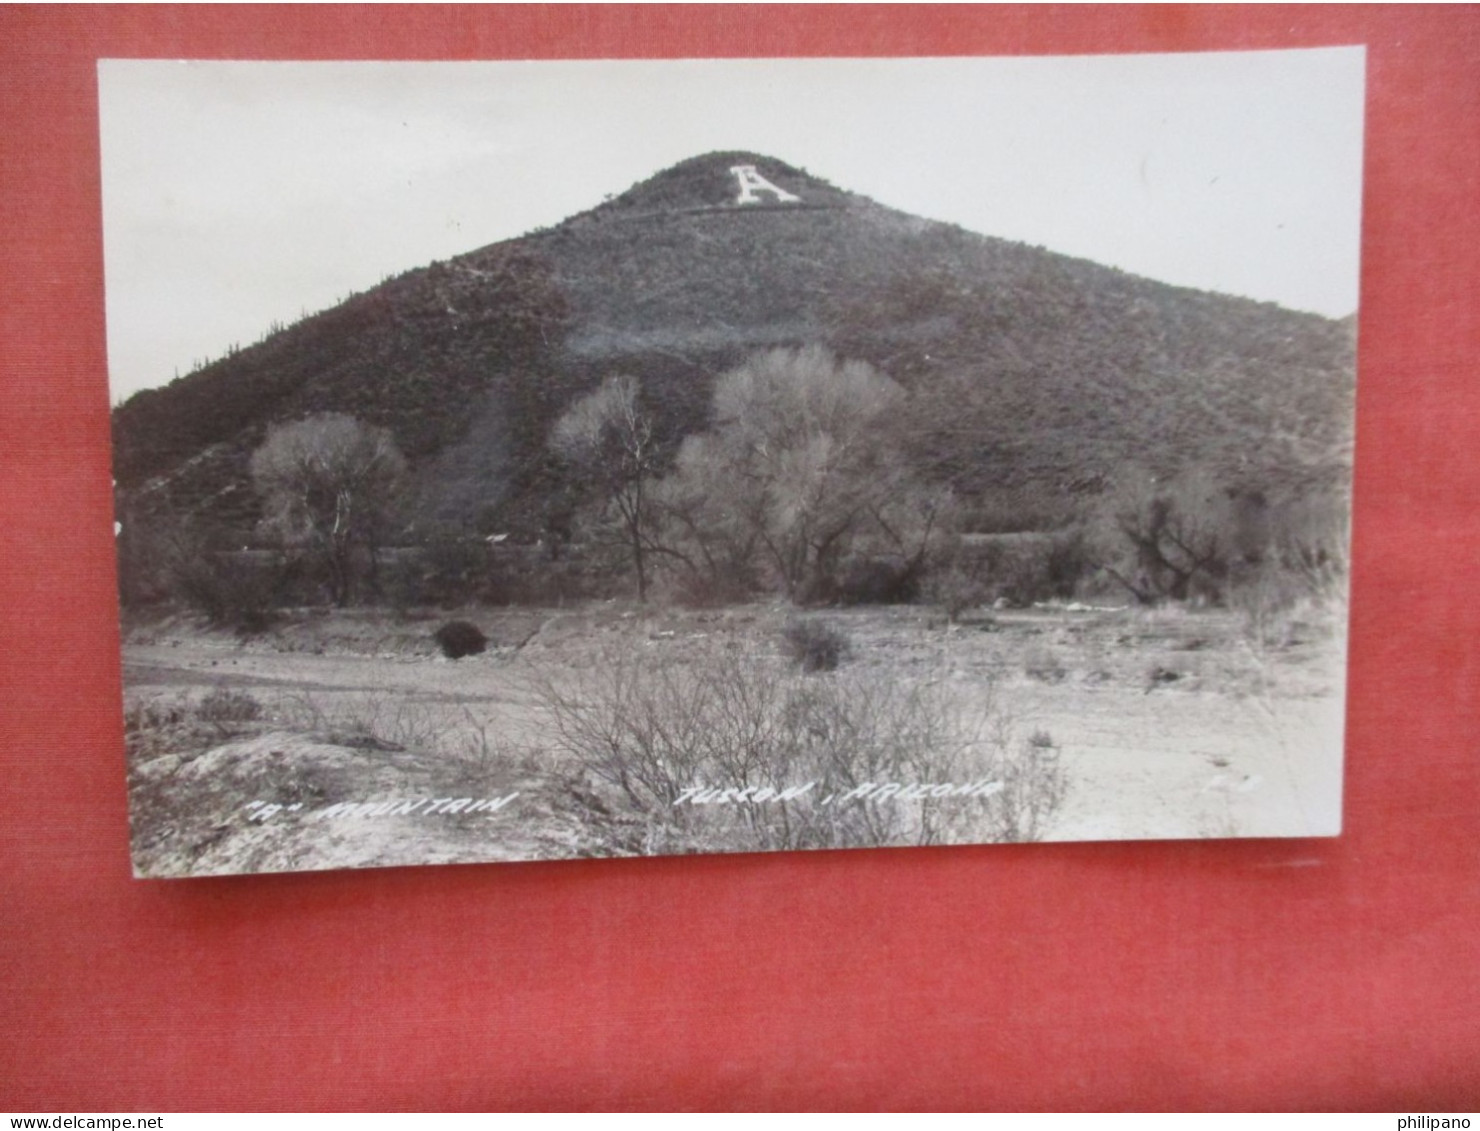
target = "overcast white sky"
x: 237, y: 193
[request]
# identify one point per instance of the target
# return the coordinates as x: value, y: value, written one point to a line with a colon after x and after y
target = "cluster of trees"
x: 799, y: 486
x: 329, y: 488
x: 802, y: 485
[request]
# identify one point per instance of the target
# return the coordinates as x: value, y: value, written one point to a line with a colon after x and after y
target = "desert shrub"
x: 1040, y: 663
x: 222, y: 705
x: 388, y: 723
x: 1310, y: 540
x: 401, y: 579
x: 1009, y: 510
x: 955, y: 589
x: 451, y: 568
x: 1297, y: 575
x: 149, y: 724
x: 1159, y: 675
x: 709, y: 589
x: 1066, y: 562
x: 231, y: 590
x: 577, y: 576
x: 815, y: 645
x: 476, y: 751
x: 874, y: 580
x: 180, y: 725
x: 152, y: 714
x: 1266, y: 598
x: 1046, y: 567
x: 459, y: 638
x: 1259, y: 549
x: 736, y: 754
x: 1013, y: 569
x: 1034, y: 783
x: 146, y: 546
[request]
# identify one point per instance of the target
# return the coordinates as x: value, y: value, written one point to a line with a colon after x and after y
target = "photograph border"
x: 1236, y: 975
x: 249, y: 753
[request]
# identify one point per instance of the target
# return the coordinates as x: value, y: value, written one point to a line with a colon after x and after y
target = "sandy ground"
x: 1172, y: 724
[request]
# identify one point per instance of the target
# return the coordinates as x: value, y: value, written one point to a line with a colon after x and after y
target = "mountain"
x: 1028, y: 371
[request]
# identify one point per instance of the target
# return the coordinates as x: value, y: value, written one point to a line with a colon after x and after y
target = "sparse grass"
x: 388, y: 723
x: 1275, y: 619
x: 474, y: 752
x: 185, y: 725
x: 1035, y: 785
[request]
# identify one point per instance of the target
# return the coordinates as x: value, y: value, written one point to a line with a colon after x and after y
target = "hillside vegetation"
x: 1036, y: 387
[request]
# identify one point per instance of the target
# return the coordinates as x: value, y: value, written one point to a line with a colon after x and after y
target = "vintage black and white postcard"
x: 538, y: 460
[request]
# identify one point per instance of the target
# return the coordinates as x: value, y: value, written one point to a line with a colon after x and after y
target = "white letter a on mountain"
x: 752, y: 182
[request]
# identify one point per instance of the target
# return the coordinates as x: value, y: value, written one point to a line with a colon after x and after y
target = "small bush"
x: 877, y: 581
x: 150, y: 725
x: 1040, y: 663
x: 181, y: 726
x: 223, y: 706
x: 956, y: 590
x: 230, y: 590
x: 816, y: 645
x: 1035, y: 784
x: 459, y: 638
x: 452, y: 570
x: 1269, y: 600
x: 1158, y: 676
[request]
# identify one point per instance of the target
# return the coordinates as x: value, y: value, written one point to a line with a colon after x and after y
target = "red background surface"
x: 1256, y: 974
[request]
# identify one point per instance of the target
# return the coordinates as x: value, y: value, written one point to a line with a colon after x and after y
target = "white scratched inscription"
x: 865, y: 791
x: 264, y: 811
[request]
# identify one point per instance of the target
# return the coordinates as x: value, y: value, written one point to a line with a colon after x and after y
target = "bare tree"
x: 1167, y: 539
x: 608, y: 438
x: 327, y: 483
x: 803, y: 469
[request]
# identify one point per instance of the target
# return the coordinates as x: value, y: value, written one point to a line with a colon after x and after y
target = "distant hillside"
x: 1027, y: 369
